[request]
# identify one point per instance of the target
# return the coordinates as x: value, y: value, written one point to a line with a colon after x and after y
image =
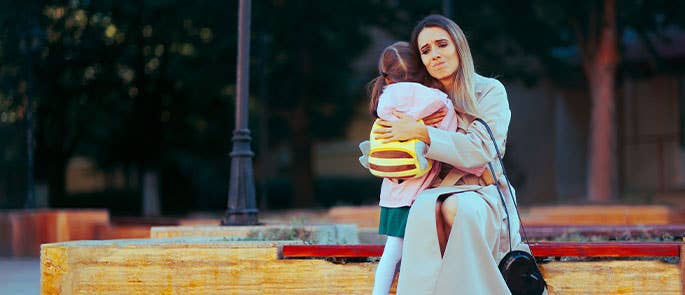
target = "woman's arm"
x: 404, y: 128
x: 474, y: 148
x: 467, y: 151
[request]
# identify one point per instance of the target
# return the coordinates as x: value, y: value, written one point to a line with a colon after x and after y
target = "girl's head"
x: 398, y: 63
x: 442, y: 48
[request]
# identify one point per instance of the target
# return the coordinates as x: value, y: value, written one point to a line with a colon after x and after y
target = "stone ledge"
x: 327, y: 234
x: 193, y: 266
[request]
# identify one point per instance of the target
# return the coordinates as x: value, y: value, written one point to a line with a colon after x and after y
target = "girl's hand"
x: 405, y: 128
x: 435, y: 118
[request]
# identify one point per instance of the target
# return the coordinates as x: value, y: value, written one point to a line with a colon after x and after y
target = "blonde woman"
x: 461, y: 255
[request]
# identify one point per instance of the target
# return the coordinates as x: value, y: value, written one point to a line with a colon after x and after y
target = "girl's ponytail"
x: 376, y: 88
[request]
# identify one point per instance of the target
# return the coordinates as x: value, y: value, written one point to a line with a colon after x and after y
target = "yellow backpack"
x: 397, y: 159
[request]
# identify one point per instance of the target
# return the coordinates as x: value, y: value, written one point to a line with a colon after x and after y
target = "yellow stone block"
x: 612, y: 277
x: 193, y: 266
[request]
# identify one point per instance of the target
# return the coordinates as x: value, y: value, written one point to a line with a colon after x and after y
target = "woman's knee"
x: 464, y: 207
x: 448, y: 209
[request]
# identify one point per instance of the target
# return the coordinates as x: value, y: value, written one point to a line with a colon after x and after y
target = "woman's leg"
x: 468, y: 263
x: 448, y: 209
x: 445, y: 211
x: 440, y: 226
x: 387, y: 267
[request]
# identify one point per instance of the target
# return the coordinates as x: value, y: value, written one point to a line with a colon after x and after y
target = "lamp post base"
x: 240, y: 217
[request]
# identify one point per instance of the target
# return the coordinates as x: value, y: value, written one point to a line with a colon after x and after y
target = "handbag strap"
x: 452, y: 177
x: 497, y: 183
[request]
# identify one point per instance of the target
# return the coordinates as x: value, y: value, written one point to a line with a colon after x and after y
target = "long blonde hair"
x: 463, y: 89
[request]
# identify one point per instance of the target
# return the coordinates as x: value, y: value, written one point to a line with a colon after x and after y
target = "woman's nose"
x: 434, y: 54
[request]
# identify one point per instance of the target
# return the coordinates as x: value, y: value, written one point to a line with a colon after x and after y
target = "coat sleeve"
x: 474, y: 148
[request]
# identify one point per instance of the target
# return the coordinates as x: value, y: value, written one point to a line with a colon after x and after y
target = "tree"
x: 598, y: 43
x: 597, y: 27
x: 149, y: 84
x: 15, y: 103
x: 142, y: 83
x: 313, y: 87
x: 179, y: 57
x: 64, y: 66
x: 180, y: 54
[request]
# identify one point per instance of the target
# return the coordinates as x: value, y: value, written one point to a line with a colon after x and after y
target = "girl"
x: 398, y: 91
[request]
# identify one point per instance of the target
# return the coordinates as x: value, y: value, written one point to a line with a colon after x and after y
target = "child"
x: 399, y: 88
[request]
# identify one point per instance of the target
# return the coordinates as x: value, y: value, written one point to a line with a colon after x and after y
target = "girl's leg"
x: 387, y: 267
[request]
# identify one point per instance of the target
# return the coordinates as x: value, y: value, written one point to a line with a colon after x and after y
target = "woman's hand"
x: 405, y: 128
x: 435, y: 118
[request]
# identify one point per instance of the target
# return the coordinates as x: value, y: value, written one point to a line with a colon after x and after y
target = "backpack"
x: 397, y: 159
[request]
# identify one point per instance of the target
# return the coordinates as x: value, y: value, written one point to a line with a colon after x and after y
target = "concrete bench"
x: 216, y: 265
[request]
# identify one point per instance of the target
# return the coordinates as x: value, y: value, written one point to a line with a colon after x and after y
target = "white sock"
x: 387, y: 267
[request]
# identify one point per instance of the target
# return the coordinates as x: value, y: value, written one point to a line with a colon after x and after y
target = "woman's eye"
x: 424, y: 52
x: 442, y: 44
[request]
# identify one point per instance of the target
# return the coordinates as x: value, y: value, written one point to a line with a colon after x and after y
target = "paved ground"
x: 19, y: 276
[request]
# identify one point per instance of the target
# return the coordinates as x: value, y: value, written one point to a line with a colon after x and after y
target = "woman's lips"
x: 439, y: 65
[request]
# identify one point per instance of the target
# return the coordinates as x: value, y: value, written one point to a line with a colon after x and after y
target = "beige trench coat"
x: 479, y: 237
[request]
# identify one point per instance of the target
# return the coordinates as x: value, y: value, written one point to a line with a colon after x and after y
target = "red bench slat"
x: 606, y: 249
x: 303, y: 251
x: 540, y: 249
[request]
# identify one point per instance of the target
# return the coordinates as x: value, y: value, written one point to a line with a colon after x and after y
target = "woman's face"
x: 438, y: 54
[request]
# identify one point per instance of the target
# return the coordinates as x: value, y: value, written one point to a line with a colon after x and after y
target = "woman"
x: 462, y: 254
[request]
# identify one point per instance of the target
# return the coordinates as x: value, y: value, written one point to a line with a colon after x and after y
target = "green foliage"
x: 118, y: 202
x: 308, y: 61
x: 578, y: 24
x: 149, y: 85
x: 12, y: 161
x: 329, y: 191
x: 135, y: 83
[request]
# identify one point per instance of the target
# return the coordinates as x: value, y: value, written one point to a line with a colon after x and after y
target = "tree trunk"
x: 301, y: 148
x: 301, y: 142
x: 148, y: 132
x: 151, y: 199
x: 600, y: 69
x: 602, y: 149
x: 57, y: 180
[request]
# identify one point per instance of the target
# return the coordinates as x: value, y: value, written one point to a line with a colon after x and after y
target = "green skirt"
x: 393, y: 221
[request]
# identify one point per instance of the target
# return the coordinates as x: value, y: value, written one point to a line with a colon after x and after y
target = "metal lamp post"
x: 242, y: 209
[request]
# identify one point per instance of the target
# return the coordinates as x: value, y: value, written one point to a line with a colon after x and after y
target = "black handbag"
x: 519, y: 268
x: 521, y: 273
